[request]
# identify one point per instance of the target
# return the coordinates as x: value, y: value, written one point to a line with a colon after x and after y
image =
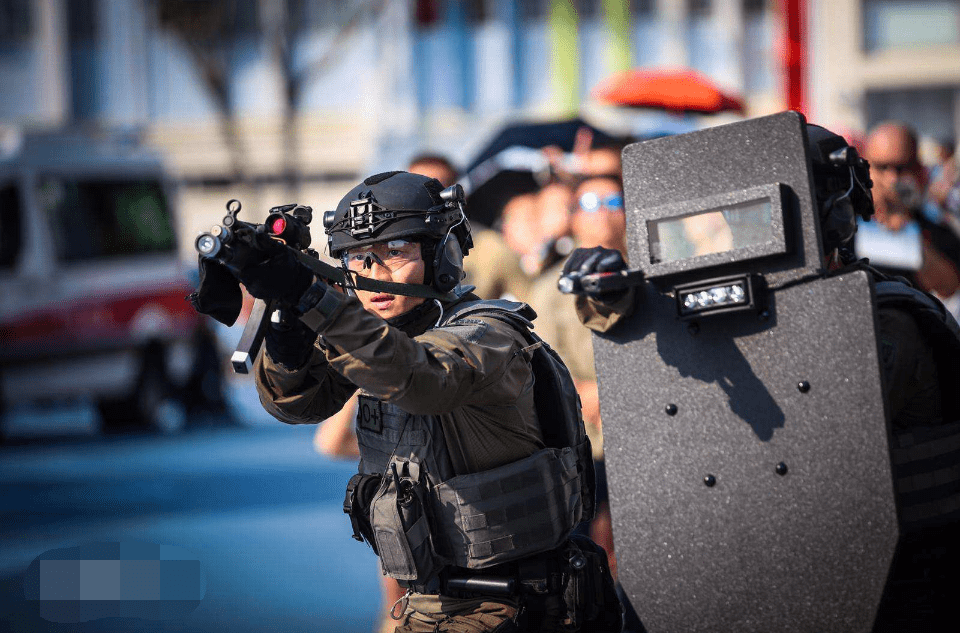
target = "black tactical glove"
x: 218, y: 294
x: 290, y: 342
x: 589, y: 261
x: 278, y: 276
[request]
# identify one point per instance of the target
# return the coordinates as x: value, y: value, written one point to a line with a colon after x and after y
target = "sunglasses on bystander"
x: 591, y: 202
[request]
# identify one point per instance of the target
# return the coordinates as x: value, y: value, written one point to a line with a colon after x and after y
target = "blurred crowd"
x: 917, y: 210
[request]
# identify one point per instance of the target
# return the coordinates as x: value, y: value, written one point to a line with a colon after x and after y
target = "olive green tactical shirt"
x: 495, y: 269
x: 473, y: 373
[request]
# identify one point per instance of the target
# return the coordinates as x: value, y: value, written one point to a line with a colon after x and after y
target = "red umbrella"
x: 681, y: 90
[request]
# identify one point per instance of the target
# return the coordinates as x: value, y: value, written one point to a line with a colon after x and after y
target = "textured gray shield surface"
x: 782, y: 413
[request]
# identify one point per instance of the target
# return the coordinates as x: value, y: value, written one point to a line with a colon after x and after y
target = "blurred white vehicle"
x: 91, y: 286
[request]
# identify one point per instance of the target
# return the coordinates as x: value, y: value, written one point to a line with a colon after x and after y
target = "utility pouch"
x: 361, y: 490
x: 401, y: 525
x: 589, y: 592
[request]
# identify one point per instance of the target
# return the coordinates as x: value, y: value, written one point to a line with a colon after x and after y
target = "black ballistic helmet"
x: 841, y: 182
x: 401, y: 205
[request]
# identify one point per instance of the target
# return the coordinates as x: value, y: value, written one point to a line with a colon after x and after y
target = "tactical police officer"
x: 474, y: 467
x: 919, y: 353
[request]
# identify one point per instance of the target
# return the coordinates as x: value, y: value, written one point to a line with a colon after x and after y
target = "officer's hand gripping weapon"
x: 233, y: 243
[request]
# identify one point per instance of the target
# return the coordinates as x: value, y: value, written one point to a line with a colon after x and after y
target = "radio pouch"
x: 401, y: 526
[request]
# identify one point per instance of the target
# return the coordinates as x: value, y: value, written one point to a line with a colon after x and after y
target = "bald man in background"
x: 899, y: 179
x: 900, y: 198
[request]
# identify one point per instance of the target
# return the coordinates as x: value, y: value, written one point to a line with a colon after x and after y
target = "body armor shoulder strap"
x: 927, y: 309
x: 520, y: 315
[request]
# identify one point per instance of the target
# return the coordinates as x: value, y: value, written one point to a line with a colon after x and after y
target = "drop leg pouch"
x: 401, y: 525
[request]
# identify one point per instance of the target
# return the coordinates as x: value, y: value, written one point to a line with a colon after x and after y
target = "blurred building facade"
x: 874, y: 60
x: 281, y: 99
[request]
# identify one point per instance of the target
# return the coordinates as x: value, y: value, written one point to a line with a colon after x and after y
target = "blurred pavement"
x: 256, y: 505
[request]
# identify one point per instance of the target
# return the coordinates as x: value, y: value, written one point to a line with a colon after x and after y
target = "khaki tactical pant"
x: 430, y: 614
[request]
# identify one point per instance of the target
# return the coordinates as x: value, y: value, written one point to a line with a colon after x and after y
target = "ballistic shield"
x: 744, y: 424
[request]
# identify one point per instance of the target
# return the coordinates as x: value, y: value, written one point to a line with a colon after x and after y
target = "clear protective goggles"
x: 392, y: 255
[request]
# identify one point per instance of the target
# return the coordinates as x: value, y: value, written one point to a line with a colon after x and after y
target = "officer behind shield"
x: 474, y: 467
x: 919, y: 345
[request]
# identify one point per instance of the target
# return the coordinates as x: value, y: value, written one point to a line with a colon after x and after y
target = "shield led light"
x: 720, y: 295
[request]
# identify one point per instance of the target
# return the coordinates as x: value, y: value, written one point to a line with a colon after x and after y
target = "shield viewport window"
x: 715, y: 231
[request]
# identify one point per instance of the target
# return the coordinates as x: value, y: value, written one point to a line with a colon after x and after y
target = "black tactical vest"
x: 926, y: 458
x: 426, y: 515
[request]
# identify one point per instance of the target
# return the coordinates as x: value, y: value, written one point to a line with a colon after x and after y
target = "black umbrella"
x: 538, y: 135
x: 511, y: 164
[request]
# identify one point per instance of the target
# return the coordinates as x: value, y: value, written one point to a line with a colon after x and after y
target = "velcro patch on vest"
x: 370, y: 415
x: 519, y: 541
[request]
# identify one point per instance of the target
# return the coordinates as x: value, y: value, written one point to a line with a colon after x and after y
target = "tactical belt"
x: 540, y: 574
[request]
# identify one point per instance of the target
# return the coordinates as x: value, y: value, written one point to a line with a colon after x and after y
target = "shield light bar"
x: 717, y: 296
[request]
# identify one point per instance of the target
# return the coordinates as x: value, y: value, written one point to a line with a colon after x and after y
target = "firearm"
x: 233, y: 243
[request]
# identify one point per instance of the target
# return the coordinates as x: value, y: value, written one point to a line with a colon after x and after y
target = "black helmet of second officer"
x: 841, y: 180
x: 401, y: 205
